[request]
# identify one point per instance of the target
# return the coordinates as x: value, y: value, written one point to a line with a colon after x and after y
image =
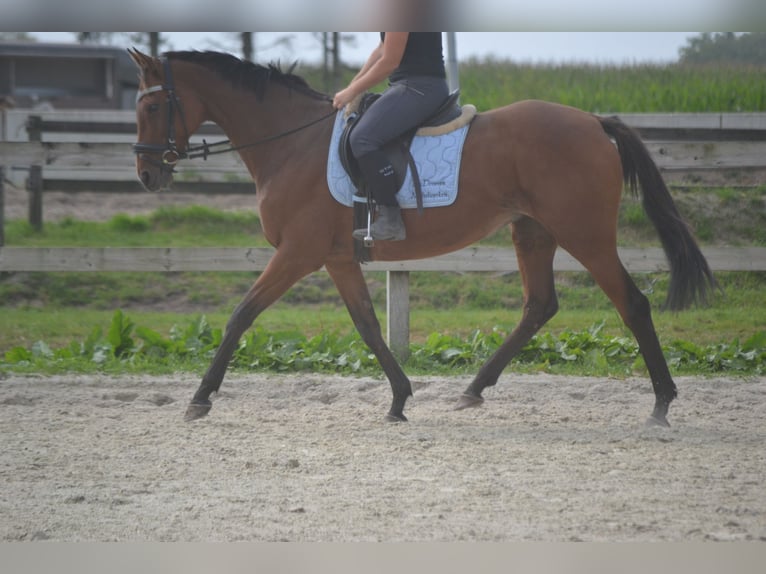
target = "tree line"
x: 723, y: 47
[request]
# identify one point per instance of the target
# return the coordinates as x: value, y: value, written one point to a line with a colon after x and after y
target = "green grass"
x: 717, y: 215
x: 449, y: 324
x: 127, y: 346
x: 167, y: 227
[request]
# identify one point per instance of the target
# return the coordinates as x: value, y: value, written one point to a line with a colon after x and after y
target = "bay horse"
x: 554, y: 174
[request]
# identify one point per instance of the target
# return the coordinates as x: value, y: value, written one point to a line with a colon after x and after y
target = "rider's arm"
x: 374, y: 57
x: 382, y: 62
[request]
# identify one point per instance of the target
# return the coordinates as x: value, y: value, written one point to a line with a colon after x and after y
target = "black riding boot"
x: 379, y: 175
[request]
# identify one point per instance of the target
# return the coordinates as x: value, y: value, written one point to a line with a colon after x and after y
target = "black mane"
x: 247, y: 75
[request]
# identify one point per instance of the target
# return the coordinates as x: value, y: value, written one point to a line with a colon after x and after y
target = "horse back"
x: 538, y: 136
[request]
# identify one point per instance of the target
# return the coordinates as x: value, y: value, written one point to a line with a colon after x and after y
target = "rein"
x: 170, y: 152
x: 191, y: 152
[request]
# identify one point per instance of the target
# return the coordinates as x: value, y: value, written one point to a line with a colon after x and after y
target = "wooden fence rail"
x: 221, y: 259
x: 77, y: 150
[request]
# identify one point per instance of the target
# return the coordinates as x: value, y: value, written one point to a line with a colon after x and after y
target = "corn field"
x: 607, y: 89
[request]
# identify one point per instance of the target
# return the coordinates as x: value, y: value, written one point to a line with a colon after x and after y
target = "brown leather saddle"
x: 398, y: 151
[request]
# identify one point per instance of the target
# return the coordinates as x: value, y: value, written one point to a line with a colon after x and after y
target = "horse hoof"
x: 197, y: 410
x: 468, y: 401
x: 657, y: 421
x: 392, y: 418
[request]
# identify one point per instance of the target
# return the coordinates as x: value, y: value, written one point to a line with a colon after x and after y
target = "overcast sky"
x: 558, y: 47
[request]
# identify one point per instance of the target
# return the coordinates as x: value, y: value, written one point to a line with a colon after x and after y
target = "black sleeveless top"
x: 423, y: 56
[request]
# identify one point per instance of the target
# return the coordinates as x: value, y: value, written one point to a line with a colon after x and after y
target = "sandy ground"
x: 309, y: 458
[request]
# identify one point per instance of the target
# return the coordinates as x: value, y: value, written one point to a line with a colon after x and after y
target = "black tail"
x: 690, y: 276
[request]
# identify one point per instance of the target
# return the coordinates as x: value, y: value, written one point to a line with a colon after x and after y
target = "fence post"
x: 34, y: 127
x: 398, y: 313
x: 2, y: 206
x: 35, y: 189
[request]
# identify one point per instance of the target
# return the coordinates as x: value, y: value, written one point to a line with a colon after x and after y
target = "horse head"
x: 165, y: 118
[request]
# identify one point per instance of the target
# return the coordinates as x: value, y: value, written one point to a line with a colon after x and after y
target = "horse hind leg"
x: 633, y: 306
x: 535, y: 248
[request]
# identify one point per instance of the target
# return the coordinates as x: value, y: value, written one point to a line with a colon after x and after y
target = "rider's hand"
x: 342, y: 98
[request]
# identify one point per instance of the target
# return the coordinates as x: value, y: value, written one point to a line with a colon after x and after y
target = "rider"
x: 413, y: 62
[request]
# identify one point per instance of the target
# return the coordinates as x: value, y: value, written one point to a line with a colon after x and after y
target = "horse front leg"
x: 280, y: 274
x: 349, y: 280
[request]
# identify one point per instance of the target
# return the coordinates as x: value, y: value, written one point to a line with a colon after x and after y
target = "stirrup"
x: 367, y: 238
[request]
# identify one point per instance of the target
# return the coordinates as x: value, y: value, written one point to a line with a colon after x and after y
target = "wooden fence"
x: 75, y: 150
x: 87, y: 151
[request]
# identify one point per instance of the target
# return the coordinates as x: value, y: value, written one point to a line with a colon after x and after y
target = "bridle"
x: 170, y: 155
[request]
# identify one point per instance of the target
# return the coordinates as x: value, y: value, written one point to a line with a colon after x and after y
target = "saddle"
x: 398, y: 151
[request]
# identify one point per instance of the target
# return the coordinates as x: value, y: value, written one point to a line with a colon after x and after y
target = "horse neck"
x: 247, y: 120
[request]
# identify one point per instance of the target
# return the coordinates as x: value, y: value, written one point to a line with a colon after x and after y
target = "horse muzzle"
x: 154, y: 175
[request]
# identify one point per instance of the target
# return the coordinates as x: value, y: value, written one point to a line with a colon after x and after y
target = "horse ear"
x: 146, y: 64
x: 137, y: 57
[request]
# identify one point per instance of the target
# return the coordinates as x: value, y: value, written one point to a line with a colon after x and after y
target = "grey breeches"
x: 404, y: 105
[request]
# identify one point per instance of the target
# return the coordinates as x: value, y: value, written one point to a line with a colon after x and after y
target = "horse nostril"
x: 145, y: 177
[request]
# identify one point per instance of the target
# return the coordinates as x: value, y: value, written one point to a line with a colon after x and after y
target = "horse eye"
x: 153, y: 108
